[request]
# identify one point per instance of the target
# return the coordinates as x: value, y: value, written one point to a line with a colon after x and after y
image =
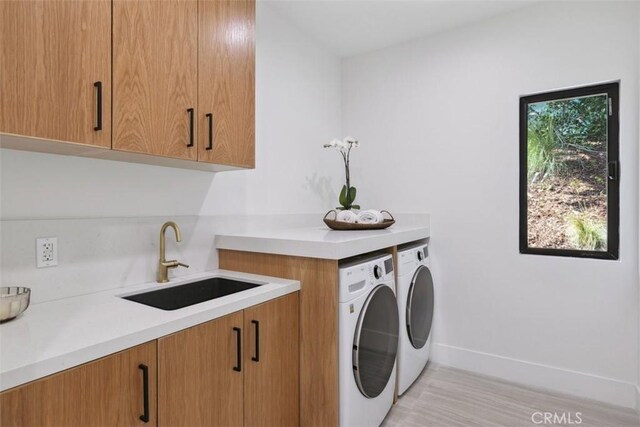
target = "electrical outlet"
x: 46, y: 252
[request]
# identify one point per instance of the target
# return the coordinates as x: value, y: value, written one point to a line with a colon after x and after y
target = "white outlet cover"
x: 46, y: 252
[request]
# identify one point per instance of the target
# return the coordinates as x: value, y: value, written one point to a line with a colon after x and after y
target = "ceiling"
x: 351, y: 27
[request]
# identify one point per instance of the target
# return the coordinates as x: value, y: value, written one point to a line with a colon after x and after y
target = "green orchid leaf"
x: 343, y: 196
x: 352, y: 194
x: 355, y: 206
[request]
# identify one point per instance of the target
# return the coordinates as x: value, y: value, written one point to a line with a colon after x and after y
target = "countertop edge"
x: 316, y: 249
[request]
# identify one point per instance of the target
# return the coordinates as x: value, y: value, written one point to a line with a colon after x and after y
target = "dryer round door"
x: 420, y: 307
x: 375, y: 343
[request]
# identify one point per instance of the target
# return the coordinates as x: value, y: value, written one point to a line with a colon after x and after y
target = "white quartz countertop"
x: 321, y: 242
x: 53, y: 336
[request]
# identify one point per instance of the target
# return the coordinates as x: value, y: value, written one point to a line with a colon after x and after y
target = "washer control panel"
x: 360, y: 274
x: 409, y: 258
x: 381, y: 268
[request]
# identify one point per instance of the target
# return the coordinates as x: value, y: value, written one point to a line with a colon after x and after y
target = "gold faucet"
x: 163, y: 264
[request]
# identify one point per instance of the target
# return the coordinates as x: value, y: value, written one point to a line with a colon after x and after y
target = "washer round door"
x: 420, y: 307
x: 375, y: 343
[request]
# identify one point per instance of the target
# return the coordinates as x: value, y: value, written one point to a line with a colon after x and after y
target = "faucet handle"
x: 173, y: 264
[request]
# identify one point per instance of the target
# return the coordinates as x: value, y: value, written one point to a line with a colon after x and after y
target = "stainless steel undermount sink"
x: 192, y: 293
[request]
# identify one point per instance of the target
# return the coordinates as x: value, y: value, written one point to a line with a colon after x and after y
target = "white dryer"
x: 368, y: 340
x: 415, y: 306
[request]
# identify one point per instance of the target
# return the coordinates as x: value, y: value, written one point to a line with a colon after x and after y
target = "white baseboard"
x: 536, y: 375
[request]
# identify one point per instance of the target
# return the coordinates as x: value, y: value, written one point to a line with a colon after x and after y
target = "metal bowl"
x: 13, y: 301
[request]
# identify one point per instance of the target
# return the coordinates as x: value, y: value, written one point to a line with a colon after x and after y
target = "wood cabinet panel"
x: 155, y: 76
x: 226, y: 82
x: 271, y: 379
x: 318, y: 325
x: 107, y: 392
x: 51, y: 55
x: 197, y: 383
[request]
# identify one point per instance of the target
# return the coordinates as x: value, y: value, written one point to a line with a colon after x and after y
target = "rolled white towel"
x: 370, y: 216
x: 346, y: 216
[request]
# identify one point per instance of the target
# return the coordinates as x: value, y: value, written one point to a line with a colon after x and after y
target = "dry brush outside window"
x: 569, y: 172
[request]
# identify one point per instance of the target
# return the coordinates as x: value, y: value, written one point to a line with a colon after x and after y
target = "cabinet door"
x: 155, y: 77
x: 200, y: 375
x: 226, y: 82
x: 51, y: 56
x: 107, y: 392
x: 271, y: 379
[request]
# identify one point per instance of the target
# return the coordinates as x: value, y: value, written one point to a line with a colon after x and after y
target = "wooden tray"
x: 339, y: 225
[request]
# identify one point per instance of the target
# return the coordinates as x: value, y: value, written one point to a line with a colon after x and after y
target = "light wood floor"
x: 444, y: 396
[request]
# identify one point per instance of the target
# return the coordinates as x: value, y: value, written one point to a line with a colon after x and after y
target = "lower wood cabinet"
x: 108, y: 392
x: 198, y: 382
x: 271, y: 363
x: 241, y: 369
x: 319, y: 383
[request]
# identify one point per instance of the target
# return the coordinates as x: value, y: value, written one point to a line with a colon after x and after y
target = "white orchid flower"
x: 343, y: 147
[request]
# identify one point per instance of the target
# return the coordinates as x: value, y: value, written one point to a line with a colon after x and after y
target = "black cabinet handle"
x: 145, y: 384
x: 210, y: 119
x: 256, y: 358
x: 191, y: 128
x: 98, y: 86
x: 238, y: 366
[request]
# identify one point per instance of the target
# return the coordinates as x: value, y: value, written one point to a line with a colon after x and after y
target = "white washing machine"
x: 415, y: 306
x: 368, y: 340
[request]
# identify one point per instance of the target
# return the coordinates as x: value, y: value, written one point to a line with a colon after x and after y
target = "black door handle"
x: 191, y: 124
x: 210, y: 119
x: 614, y: 173
x: 98, y: 86
x: 256, y: 358
x: 145, y: 393
x: 238, y: 366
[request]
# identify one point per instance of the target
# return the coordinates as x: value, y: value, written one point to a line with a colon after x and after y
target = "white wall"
x: 440, y: 118
x: 107, y: 214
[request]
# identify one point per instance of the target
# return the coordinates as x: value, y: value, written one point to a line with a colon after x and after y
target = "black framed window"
x: 570, y: 172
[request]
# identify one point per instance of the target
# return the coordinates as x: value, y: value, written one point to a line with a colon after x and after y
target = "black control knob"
x: 377, y: 272
x: 420, y: 255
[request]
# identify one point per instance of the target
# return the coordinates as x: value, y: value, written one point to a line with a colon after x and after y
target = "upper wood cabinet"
x: 183, y: 75
x: 226, y: 82
x: 155, y: 66
x: 55, y: 56
x: 108, y: 392
x: 184, y: 79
